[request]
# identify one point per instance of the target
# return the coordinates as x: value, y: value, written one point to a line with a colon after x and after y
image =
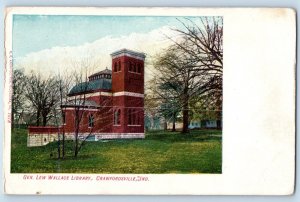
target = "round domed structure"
x: 104, y: 74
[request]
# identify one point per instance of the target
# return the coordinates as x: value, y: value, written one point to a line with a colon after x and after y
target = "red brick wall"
x: 126, y: 80
x: 118, y: 77
x: 42, y: 129
x: 103, y: 118
x: 124, y: 103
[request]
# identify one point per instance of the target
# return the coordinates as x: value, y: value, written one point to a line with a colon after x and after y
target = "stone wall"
x: 42, y: 139
x: 35, y: 140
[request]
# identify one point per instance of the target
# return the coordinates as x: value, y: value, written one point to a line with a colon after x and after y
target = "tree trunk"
x: 38, y: 114
x: 174, y: 121
x: 76, y: 145
x: 44, y: 120
x: 185, y: 112
x: 63, y: 144
x: 77, y: 122
x: 165, y: 124
x: 185, y: 127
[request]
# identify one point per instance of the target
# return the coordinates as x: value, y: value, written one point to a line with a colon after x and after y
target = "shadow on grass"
x: 193, y: 135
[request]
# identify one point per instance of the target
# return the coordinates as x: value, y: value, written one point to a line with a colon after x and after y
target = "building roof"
x: 90, y: 86
x: 103, y: 72
x: 131, y: 53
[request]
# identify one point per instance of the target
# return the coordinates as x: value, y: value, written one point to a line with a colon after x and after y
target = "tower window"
x: 134, y: 67
x: 115, y: 67
x: 119, y: 67
x: 130, y: 66
x: 133, y: 117
x: 91, y: 121
x: 117, y: 117
x: 139, y: 68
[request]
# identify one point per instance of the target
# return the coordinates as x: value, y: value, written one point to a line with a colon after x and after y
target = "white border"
x: 258, y: 160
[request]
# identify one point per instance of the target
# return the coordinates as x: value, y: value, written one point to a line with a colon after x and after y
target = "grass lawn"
x: 160, y: 152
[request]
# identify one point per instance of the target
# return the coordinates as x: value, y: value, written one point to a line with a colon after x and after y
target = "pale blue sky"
x: 32, y: 33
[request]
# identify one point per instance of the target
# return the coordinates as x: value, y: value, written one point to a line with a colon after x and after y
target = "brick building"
x: 109, y: 105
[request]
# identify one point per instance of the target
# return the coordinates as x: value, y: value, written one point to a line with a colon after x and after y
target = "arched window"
x: 133, y: 117
x: 117, y: 117
x: 130, y: 66
x: 115, y: 67
x: 134, y: 67
x: 119, y: 67
x: 129, y: 117
x: 91, y: 121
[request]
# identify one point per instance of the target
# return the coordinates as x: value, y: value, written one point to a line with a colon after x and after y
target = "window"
x: 137, y: 119
x: 129, y: 117
x: 91, y: 121
x: 134, y: 67
x: 130, y: 66
x: 119, y: 68
x: 133, y: 117
x: 117, y: 116
x: 115, y: 67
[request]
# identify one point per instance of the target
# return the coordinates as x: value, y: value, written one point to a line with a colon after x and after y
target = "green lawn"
x: 160, y: 152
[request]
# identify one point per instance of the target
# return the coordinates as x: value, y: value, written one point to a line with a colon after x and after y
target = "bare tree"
x: 42, y: 95
x: 65, y: 82
x: 80, y: 104
x: 204, y: 43
x: 193, y: 65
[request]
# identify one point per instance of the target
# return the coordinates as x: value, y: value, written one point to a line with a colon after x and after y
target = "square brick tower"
x: 128, y: 93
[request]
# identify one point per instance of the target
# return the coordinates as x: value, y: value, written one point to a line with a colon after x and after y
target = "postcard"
x: 141, y: 101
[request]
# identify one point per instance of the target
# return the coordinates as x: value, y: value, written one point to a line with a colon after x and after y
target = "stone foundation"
x: 35, y: 140
x: 120, y: 136
x: 40, y: 139
x: 106, y: 136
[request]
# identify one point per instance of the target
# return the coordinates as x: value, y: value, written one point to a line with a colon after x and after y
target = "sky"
x: 54, y: 43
